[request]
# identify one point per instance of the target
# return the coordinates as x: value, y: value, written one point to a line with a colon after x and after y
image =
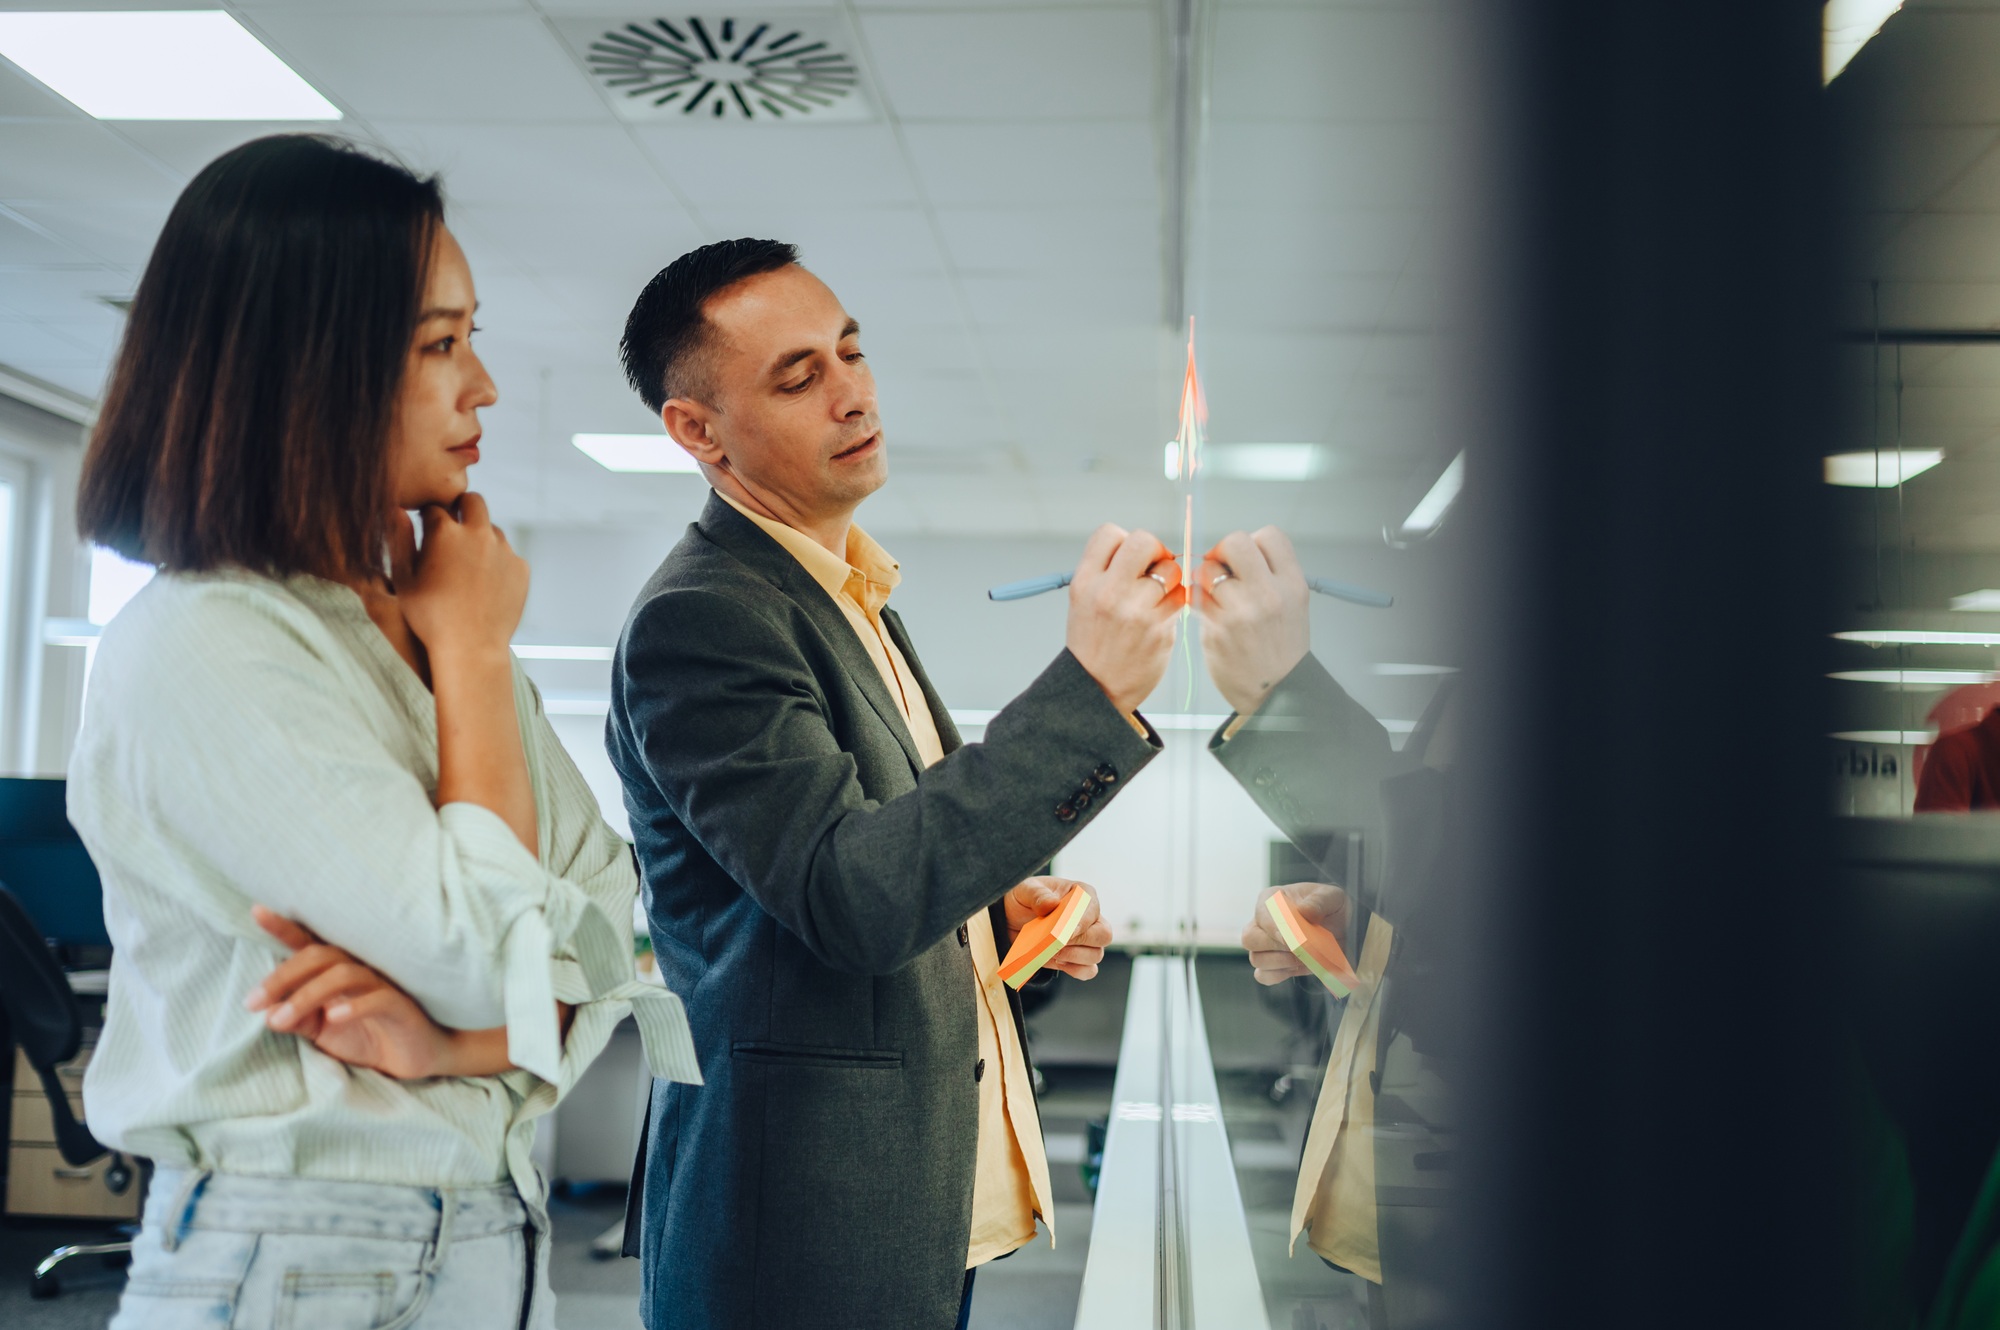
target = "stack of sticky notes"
x: 1313, y: 945
x: 1037, y: 944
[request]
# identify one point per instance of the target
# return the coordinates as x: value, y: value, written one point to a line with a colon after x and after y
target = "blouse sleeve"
x: 246, y: 746
x: 582, y: 849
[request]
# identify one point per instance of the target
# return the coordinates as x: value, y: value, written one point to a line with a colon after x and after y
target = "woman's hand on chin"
x: 464, y: 591
x: 347, y: 1010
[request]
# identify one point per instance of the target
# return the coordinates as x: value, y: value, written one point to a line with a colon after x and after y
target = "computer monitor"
x: 43, y: 862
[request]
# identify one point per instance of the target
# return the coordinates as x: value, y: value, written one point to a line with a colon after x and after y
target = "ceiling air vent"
x: 727, y: 69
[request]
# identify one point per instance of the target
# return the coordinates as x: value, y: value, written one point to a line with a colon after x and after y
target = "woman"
x: 274, y: 725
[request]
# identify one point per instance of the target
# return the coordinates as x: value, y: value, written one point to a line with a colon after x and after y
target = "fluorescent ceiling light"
x: 1885, y: 736
x: 1431, y: 509
x: 1846, y: 27
x: 1172, y: 464
x: 563, y: 653
x: 576, y: 704
x: 1983, y: 602
x: 1880, y: 637
x: 1915, y: 678
x: 1883, y: 470
x: 160, y: 65
x: 1393, y: 669
x: 1264, y: 461
x: 636, y: 452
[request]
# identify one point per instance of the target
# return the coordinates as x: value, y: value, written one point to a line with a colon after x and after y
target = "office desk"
x: 38, y: 1181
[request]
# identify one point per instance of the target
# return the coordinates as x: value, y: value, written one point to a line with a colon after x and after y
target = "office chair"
x: 43, y: 1016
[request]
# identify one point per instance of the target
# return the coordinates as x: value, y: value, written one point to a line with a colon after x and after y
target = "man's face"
x: 793, y: 401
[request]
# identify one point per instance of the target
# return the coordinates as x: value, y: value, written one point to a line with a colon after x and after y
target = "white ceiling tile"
x: 23, y: 96
x: 1933, y: 246
x: 1333, y: 64
x: 1037, y: 64
x: 527, y: 165
x: 1129, y: 298
x: 1241, y: 244
x: 21, y: 245
x: 855, y: 166
x: 1078, y: 164
x: 120, y: 233
x: 185, y: 146
x: 491, y: 67
x: 1930, y: 66
x: 1312, y: 166
x: 840, y: 244
x: 64, y: 291
x: 1052, y: 241
x: 57, y: 162
x: 915, y: 317
x: 258, y: 7
x: 1900, y: 170
x: 1343, y: 302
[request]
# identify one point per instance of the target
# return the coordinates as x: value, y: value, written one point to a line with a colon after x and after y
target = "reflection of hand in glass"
x: 1318, y: 903
x: 1041, y: 895
x: 1255, y: 627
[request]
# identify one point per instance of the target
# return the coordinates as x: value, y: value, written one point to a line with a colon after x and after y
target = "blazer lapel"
x: 741, y: 537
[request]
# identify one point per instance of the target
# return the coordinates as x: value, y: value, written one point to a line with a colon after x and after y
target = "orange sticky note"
x: 1037, y: 943
x: 1313, y: 945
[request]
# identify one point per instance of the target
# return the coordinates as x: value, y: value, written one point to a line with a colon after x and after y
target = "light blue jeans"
x: 290, y: 1254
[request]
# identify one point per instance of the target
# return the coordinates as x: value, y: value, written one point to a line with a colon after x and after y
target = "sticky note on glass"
x: 1037, y: 943
x: 1315, y: 947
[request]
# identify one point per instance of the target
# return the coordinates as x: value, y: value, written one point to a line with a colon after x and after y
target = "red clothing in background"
x: 1962, y: 771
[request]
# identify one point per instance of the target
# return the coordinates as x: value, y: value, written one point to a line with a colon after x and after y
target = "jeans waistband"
x: 184, y: 1199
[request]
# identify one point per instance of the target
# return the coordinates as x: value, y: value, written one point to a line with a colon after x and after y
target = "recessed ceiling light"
x: 1885, y: 736
x: 636, y: 452
x: 1264, y: 461
x: 1883, y: 470
x: 1846, y: 27
x: 1983, y: 602
x: 1437, y: 501
x: 1915, y: 678
x: 1920, y: 637
x: 527, y: 652
x: 160, y: 65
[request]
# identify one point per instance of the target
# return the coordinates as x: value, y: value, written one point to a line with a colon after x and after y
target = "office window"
x: 114, y: 580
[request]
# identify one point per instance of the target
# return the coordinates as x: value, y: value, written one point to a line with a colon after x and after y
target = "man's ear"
x: 687, y: 423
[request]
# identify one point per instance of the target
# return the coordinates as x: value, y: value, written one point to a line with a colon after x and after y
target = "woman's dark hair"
x: 248, y: 418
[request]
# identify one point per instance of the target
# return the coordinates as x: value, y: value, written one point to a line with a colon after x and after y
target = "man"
x: 1373, y: 1180
x: 831, y: 879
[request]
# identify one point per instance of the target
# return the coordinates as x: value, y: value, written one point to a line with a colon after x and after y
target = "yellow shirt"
x: 1010, y: 1186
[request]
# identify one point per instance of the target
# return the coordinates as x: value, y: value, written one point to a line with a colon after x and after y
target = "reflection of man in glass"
x: 1372, y: 819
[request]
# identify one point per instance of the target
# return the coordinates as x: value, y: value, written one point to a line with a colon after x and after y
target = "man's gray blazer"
x: 807, y: 891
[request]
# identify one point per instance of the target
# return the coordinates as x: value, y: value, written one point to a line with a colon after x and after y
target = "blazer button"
x: 964, y: 936
x: 1081, y: 799
x: 1065, y: 811
x: 979, y: 1070
x: 1106, y: 774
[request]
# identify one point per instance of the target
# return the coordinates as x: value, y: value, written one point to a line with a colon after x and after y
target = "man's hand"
x: 1253, y: 603
x: 1041, y: 895
x: 1317, y: 903
x: 346, y: 1010
x: 1122, y: 602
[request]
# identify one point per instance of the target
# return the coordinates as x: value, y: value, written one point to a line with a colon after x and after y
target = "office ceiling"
x: 1917, y: 119
x: 997, y: 218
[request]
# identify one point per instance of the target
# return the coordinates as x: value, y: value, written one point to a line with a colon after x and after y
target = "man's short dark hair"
x: 665, y: 332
